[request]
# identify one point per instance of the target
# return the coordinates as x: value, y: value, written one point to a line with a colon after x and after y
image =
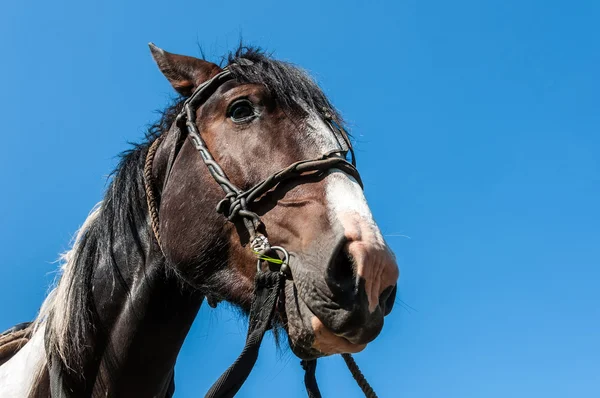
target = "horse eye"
x: 241, y: 111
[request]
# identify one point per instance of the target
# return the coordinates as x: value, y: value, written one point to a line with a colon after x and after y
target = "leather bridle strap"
x: 236, y: 202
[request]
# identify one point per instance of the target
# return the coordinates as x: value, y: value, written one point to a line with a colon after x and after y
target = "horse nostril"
x: 387, y: 299
x: 341, y: 276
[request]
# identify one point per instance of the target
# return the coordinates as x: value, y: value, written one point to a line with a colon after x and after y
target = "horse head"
x: 270, y: 115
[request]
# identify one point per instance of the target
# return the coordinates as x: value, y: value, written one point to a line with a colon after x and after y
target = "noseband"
x: 236, y: 205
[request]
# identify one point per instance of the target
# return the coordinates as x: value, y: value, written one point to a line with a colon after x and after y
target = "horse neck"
x: 128, y: 312
x: 145, y: 335
x: 141, y: 326
x: 147, y: 329
x: 140, y: 331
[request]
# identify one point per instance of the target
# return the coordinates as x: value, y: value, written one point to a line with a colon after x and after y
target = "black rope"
x: 359, y: 377
x: 310, y: 379
x: 267, y: 288
x: 149, y: 185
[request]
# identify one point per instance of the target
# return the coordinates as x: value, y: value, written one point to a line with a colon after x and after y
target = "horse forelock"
x: 291, y: 86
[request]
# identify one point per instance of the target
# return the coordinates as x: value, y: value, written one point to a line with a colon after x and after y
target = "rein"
x: 269, y: 283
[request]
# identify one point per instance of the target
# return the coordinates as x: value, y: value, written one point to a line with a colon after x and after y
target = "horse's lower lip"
x: 328, y: 342
x: 352, y: 348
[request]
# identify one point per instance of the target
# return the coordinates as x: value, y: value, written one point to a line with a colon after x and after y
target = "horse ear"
x: 183, y: 72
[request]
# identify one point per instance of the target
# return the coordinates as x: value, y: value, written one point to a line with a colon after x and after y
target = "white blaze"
x: 345, y: 198
x: 348, y: 208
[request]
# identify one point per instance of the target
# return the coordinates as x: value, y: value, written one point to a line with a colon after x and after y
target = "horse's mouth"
x: 308, y: 336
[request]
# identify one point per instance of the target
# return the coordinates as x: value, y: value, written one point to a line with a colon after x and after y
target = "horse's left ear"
x: 183, y: 72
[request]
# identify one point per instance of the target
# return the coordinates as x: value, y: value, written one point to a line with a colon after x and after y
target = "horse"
x: 154, y: 249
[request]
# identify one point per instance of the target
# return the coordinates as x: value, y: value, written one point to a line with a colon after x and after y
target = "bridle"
x: 236, y: 205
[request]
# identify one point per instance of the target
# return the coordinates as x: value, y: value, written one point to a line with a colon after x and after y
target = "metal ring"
x: 285, y: 265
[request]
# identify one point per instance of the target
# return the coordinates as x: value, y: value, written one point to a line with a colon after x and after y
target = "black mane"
x: 120, y: 234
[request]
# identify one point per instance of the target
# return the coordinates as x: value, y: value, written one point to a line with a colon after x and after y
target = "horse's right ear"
x: 183, y: 72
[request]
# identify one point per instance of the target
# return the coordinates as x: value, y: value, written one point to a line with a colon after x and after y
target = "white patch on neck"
x: 20, y: 372
x: 19, y: 375
x: 59, y: 301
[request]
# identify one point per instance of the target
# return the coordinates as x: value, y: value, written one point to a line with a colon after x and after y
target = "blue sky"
x: 477, y: 130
